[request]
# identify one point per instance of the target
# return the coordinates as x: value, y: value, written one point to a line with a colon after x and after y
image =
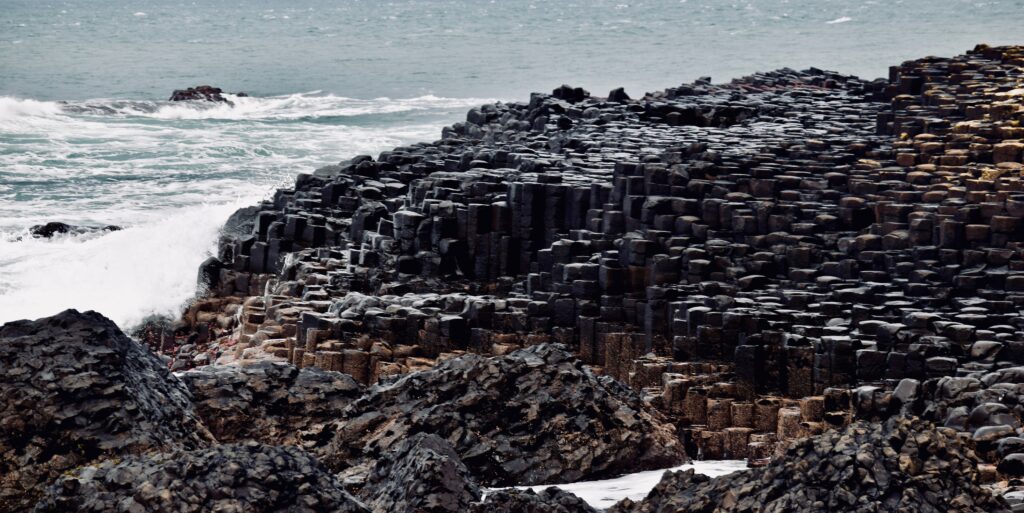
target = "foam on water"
x: 604, y: 493
x: 170, y: 173
x: 126, y: 275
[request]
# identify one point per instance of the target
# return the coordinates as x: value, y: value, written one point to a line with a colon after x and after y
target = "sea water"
x: 88, y: 138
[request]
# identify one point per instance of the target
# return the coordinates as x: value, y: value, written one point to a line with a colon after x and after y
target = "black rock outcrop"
x: 535, y: 416
x: 242, y: 478
x: 898, y: 465
x: 76, y: 390
x: 201, y: 93
x: 422, y: 474
x: 270, y: 402
x: 48, y: 230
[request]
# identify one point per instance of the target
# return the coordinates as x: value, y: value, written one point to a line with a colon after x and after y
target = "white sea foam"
x: 17, y: 108
x: 126, y: 275
x: 604, y: 493
x: 843, y: 19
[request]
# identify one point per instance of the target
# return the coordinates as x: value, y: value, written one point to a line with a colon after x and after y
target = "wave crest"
x: 300, y: 106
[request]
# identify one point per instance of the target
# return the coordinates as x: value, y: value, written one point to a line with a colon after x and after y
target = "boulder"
x: 422, y: 474
x: 75, y: 390
x: 534, y: 416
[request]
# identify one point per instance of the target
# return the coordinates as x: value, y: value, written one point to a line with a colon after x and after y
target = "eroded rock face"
x: 534, y: 416
x: 551, y: 500
x: 422, y: 474
x: 270, y: 402
x: 250, y: 478
x: 76, y: 390
x: 899, y: 465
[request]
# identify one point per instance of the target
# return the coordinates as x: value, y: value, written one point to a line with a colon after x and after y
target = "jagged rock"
x: 50, y: 229
x: 535, y: 416
x: 201, y: 93
x: 549, y: 500
x: 899, y: 465
x: 422, y: 474
x: 75, y: 390
x: 249, y: 478
x: 270, y: 402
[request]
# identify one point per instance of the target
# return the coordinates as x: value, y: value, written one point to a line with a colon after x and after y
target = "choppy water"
x: 85, y: 137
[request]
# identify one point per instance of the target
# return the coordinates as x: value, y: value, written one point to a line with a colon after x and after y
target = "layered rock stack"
x: 765, y: 259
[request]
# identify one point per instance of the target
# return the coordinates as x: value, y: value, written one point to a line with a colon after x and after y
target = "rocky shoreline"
x: 820, y: 274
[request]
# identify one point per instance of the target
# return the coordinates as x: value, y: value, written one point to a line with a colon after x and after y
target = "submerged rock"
x: 535, y: 416
x: 75, y: 390
x: 898, y: 465
x: 250, y: 478
x: 270, y: 402
x: 48, y: 230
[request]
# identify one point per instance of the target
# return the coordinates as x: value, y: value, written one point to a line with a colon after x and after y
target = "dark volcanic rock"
x: 74, y: 390
x: 249, y: 478
x: 270, y: 402
x: 200, y: 93
x: 550, y: 500
x: 423, y: 474
x: 537, y: 415
x: 899, y: 465
x: 50, y: 229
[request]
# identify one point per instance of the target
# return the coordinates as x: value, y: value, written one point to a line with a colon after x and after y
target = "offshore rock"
x: 898, y: 465
x: 201, y: 93
x: 250, y: 478
x: 270, y: 402
x: 48, y: 230
x: 75, y: 390
x: 534, y: 416
x: 422, y: 474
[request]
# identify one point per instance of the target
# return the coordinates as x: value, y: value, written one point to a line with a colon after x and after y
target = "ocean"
x: 88, y: 138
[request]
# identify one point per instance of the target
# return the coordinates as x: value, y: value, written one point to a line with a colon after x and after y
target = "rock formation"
x: 421, y: 474
x: 899, y: 465
x: 550, y: 500
x: 575, y: 287
x: 201, y: 93
x: 75, y: 390
x: 270, y: 402
x: 48, y: 230
x: 535, y: 416
x: 250, y: 478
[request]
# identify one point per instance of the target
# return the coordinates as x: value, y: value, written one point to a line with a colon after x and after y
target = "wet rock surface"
x: 235, y: 477
x: 48, y: 230
x: 534, y: 416
x: 270, y: 402
x: 899, y: 465
x: 201, y: 93
x: 75, y: 390
x: 422, y: 474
